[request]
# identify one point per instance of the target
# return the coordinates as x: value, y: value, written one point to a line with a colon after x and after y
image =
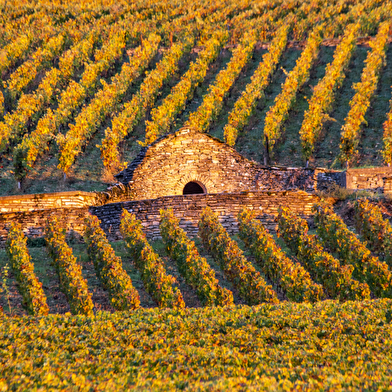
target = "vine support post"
x: 266, y: 152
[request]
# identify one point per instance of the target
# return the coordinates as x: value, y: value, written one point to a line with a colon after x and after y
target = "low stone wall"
x: 33, y: 222
x: 366, y: 178
x: 21, y: 203
x: 327, y: 179
x: 188, y: 208
x: 387, y: 185
x: 284, y: 179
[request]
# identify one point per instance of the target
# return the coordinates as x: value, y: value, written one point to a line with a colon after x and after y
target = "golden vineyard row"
x: 54, y: 88
x: 317, y: 274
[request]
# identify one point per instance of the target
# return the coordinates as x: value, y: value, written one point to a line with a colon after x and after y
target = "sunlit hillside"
x: 284, y: 82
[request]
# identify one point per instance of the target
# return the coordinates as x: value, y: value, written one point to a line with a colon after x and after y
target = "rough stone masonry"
x: 164, y: 168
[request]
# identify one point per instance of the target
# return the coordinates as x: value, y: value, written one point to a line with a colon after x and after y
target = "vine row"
x: 108, y: 267
x: 104, y: 102
x: 72, y: 283
x: 292, y: 277
x: 250, y: 284
x: 28, y: 284
x: 156, y: 281
x: 164, y: 116
x: 133, y: 111
x: 254, y: 91
x: 374, y: 229
x: 324, y: 268
x: 37, y: 142
x: 364, y: 91
x: 27, y: 72
x: 322, y: 100
x: 31, y: 105
x: 340, y: 240
x: 278, y: 113
x: 387, y: 137
x: 191, y: 265
x: 14, y: 51
x: 213, y: 100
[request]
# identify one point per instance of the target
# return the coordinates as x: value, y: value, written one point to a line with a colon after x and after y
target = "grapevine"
x: 364, y: 91
x: 321, y: 102
x: 156, y: 281
x: 72, y: 282
x: 324, y: 268
x: 1, y: 105
x: 13, y: 51
x: 134, y: 110
x: 292, y: 277
x: 387, y: 138
x: 21, y: 78
x: 191, y: 265
x: 375, y: 230
x: 31, y: 105
x: 213, y: 101
x: 278, y: 113
x: 340, y: 240
x: 104, y: 103
x: 108, y: 266
x: 37, y: 142
x: 250, y: 284
x: 254, y: 91
x: 164, y: 115
x: 28, y: 284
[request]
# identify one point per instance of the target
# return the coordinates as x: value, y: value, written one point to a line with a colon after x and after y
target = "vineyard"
x: 213, y: 269
x: 264, y: 283
x: 284, y: 82
x: 253, y: 310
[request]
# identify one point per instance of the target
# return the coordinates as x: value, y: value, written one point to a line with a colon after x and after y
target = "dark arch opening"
x: 192, y: 188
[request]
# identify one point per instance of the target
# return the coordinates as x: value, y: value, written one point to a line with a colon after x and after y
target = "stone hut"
x: 189, y: 162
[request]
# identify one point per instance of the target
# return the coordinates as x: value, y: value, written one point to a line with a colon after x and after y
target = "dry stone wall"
x: 166, y: 166
x: 371, y: 178
x: 20, y: 203
x: 387, y: 185
x: 326, y: 179
x: 189, y: 207
x: 33, y: 222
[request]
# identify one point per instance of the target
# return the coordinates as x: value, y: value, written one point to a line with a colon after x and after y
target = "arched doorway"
x: 193, y: 187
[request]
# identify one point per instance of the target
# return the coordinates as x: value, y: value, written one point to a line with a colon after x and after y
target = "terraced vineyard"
x: 177, y: 272
x: 85, y: 85
x: 81, y: 90
x: 300, y: 332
